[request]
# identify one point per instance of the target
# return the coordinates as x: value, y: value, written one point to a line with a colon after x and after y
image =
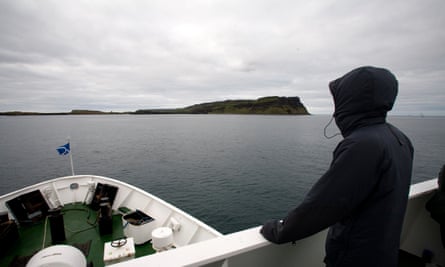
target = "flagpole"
x: 72, y: 167
x: 71, y: 158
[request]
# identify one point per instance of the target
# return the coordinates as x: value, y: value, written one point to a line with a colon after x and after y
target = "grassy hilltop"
x: 272, y: 105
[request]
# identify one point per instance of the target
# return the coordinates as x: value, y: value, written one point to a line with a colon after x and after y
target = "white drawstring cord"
x: 326, y: 127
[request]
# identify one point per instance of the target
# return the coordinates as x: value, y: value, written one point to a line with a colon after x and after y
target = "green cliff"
x: 272, y: 105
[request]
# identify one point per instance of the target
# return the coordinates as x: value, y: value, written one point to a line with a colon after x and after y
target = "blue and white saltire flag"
x: 64, y: 150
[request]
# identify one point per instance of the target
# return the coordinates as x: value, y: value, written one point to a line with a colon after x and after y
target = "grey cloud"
x: 127, y: 55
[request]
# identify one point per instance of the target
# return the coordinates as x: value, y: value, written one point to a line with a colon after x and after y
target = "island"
x: 271, y: 105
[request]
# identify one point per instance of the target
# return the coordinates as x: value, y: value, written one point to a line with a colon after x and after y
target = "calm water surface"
x: 230, y: 171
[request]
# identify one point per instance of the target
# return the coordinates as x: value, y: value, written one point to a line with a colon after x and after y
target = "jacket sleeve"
x: 348, y: 182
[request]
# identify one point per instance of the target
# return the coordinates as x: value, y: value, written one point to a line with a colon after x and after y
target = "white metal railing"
x: 244, y: 248
x: 249, y: 248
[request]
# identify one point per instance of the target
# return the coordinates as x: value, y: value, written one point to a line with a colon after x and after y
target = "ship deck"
x: 81, y: 231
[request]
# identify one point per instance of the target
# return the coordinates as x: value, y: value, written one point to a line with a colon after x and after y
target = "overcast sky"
x: 127, y: 55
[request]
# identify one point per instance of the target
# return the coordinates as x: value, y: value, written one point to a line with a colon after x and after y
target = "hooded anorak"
x: 362, y: 197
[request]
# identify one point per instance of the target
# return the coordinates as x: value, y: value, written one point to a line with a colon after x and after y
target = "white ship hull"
x: 197, y: 244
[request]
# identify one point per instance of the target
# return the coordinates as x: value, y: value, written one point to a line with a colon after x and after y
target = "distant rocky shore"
x: 272, y: 105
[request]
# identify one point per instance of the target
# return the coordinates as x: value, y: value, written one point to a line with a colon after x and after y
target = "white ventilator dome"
x: 58, y: 256
x: 162, y: 238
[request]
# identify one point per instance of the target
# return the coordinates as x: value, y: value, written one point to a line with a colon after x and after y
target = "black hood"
x: 363, y: 97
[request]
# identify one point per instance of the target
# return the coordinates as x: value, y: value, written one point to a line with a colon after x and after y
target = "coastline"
x: 271, y: 105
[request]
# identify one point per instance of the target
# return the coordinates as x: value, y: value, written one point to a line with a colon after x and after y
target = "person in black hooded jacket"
x: 362, y: 197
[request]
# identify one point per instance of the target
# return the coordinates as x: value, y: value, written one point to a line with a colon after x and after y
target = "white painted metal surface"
x: 60, y: 191
x: 200, y: 245
x: 420, y: 232
x: 249, y: 248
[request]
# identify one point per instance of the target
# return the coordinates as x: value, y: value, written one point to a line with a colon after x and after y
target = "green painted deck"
x: 81, y: 229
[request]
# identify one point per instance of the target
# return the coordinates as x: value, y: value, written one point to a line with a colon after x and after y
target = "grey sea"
x: 230, y: 171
